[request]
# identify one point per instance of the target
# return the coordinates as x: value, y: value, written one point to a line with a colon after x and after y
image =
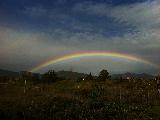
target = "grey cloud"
x: 145, y: 16
x: 20, y: 48
x: 146, y: 13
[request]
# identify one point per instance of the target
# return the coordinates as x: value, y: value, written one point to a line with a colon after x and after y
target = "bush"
x: 103, y: 75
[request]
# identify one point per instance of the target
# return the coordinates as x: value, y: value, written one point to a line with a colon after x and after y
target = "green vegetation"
x: 95, y: 99
x: 49, y: 77
x: 103, y: 75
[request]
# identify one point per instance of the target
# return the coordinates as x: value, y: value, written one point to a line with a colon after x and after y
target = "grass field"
x: 85, y: 100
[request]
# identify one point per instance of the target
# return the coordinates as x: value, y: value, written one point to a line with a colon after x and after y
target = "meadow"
x: 83, y: 100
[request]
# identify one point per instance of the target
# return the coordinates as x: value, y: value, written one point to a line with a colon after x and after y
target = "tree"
x: 157, y: 77
x: 36, y: 78
x: 89, y: 77
x: 49, y: 77
x: 103, y: 75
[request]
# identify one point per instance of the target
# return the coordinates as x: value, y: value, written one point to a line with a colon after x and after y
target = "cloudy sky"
x: 33, y: 31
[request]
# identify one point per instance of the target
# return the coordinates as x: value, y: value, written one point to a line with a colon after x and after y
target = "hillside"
x: 8, y: 73
x: 69, y: 75
x: 133, y: 75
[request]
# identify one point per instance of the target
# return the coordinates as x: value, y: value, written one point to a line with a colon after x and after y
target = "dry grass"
x: 68, y: 99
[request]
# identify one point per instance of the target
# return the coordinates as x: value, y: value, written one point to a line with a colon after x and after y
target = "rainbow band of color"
x: 89, y: 54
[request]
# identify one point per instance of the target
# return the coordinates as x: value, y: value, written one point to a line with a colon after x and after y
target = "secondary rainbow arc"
x: 90, y: 54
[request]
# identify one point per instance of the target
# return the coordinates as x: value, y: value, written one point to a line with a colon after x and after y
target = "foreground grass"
x: 79, y: 100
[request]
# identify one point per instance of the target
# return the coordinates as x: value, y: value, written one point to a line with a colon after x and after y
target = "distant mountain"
x: 133, y: 75
x: 8, y: 73
x: 69, y: 75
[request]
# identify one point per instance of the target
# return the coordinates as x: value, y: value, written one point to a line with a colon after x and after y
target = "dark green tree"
x: 36, y: 79
x: 104, y: 75
x: 157, y: 77
x: 89, y: 77
x: 49, y: 77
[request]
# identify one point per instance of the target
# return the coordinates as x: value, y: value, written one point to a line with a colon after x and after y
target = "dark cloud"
x: 42, y: 31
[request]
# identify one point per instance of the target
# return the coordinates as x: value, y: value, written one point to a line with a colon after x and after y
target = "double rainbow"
x: 90, y: 54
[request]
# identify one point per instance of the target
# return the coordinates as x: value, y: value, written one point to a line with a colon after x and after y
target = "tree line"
x: 51, y: 77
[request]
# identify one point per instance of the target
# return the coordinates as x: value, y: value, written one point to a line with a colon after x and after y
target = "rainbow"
x: 90, y: 54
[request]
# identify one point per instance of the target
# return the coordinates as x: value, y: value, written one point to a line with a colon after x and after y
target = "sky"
x: 33, y: 31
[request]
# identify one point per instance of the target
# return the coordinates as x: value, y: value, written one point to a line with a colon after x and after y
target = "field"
x: 84, y: 100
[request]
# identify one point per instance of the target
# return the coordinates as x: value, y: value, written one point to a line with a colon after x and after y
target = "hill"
x: 8, y: 73
x: 133, y: 75
x: 69, y: 75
